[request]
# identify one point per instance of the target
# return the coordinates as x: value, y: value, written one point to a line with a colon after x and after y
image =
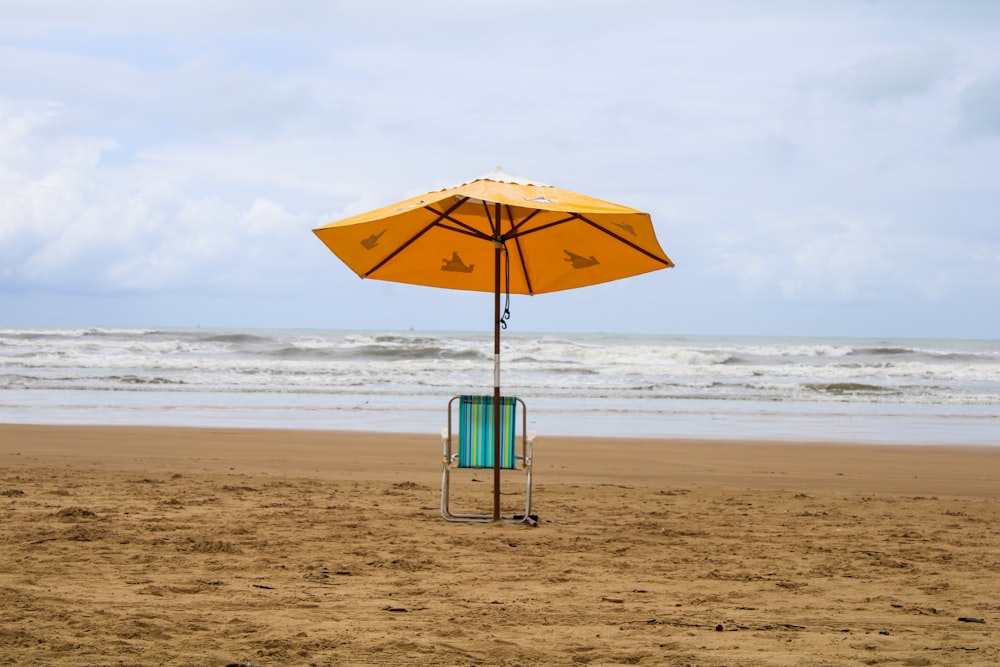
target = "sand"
x: 164, y: 546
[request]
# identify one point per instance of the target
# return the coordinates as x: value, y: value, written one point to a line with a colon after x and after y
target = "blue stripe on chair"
x: 475, y: 432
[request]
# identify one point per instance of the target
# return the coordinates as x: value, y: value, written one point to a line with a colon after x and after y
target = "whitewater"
x: 863, y: 390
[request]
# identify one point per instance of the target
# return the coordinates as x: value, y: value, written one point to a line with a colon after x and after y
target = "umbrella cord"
x: 506, y: 305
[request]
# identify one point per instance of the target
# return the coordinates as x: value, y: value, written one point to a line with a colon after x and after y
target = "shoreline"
x: 748, y: 463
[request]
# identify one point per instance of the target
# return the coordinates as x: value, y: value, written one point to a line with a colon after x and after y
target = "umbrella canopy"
x: 499, y: 234
x: 554, y: 239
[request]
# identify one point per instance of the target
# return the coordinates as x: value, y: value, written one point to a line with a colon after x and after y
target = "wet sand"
x: 143, y: 546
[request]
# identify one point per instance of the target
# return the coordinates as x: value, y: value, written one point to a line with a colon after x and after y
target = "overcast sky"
x: 825, y: 168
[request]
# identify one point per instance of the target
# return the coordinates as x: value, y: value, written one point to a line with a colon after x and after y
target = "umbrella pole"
x: 496, y: 385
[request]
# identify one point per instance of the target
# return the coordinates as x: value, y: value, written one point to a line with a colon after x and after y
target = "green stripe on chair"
x: 475, y: 432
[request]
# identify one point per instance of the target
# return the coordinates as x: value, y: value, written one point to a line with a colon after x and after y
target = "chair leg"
x: 446, y: 512
x: 527, y: 493
x: 448, y: 515
x: 444, y: 494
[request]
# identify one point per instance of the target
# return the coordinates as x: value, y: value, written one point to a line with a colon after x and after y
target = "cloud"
x: 818, y: 256
x: 112, y: 17
x: 187, y: 147
x: 895, y: 75
x: 45, y: 176
x: 67, y: 221
x: 980, y: 105
x: 838, y: 257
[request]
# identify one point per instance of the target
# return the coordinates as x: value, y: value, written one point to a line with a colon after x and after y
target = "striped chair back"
x: 475, y: 432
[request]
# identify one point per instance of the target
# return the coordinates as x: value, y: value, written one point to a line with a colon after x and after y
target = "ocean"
x: 904, y: 391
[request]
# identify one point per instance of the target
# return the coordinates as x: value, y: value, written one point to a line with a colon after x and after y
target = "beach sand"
x: 167, y: 546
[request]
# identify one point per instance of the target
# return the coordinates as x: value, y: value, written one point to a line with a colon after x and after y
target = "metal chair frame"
x: 450, y: 460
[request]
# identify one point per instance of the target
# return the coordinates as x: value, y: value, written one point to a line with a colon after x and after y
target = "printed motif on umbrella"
x: 372, y: 240
x: 625, y: 227
x: 456, y: 264
x: 578, y: 261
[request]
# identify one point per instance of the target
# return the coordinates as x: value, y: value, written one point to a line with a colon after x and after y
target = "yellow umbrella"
x: 500, y: 234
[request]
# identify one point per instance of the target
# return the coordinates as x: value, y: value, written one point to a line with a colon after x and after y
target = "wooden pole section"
x: 496, y: 385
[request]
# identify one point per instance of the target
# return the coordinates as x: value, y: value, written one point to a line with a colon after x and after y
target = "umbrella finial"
x: 500, y: 176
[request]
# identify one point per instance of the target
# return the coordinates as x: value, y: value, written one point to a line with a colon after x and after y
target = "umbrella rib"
x: 515, y: 228
x: 516, y: 232
x: 617, y: 237
x: 666, y: 262
x: 463, y: 228
x: 494, y: 224
x: 517, y: 244
x: 416, y: 236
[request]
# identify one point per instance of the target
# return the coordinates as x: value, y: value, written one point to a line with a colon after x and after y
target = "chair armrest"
x: 529, y: 447
x: 446, y: 447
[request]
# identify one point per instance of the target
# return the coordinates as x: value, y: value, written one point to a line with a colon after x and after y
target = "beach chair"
x: 471, y: 445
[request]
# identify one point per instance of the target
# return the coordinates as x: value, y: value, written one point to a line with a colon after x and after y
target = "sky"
x: 813, y: 167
